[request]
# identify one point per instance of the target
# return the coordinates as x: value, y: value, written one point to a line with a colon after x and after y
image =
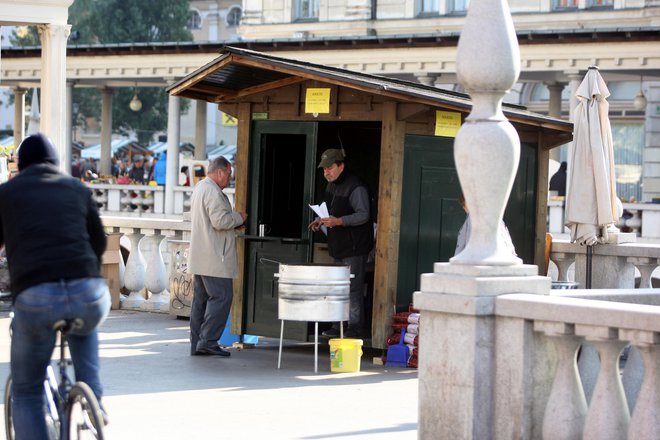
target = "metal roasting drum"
x: 313, y: 292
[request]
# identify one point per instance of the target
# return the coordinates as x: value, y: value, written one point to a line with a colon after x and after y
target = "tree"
x: 123, y: 21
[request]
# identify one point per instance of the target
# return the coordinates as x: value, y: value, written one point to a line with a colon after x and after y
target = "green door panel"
x: 431, y: 215
x: 282, y: 169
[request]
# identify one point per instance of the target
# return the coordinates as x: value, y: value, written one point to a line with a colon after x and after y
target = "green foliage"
x: 130, y: 21
x: 151, y: 119
x: 122, y: 21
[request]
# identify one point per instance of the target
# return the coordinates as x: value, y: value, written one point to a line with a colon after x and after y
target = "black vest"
x: 346, y: 241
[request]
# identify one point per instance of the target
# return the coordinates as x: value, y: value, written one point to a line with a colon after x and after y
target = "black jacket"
x: 346, y: 241
x: 50, y: 227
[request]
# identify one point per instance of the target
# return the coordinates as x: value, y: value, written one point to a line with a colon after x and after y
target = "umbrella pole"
x: 590, y: 253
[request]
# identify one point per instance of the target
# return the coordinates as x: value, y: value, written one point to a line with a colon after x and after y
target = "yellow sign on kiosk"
x: 317, y: 100
x: 447, y: 123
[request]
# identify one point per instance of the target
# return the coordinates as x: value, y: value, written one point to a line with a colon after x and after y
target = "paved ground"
x: 155, y: 390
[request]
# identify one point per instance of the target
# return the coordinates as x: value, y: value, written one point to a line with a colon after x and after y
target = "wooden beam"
x: 541, y: 205
x: 241, y: 165
x: 269, y: 86
x: 389, y: 220
x: 202, y: 73
x: 407, y: 111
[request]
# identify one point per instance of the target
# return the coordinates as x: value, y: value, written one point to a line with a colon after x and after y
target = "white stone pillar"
x: 487, y: 65
x: 426, y: 79
x: 464, y: 361
x: 608, y: 417
x: 19, y: 116
x: 105, y: 162
x: 200, y: 130
x: 554, y: 109
x: 68, y: 133
x: 53, y: 85
x: 567, y: 405
x: 645, y: 421
x: 155, y: 279
x: 173, y: 136
x: 134, y: 271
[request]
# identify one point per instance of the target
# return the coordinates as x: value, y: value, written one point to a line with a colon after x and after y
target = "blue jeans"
x: 36, y: 309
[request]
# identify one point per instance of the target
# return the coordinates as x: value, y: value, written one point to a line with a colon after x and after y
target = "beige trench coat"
x: 213, y: 237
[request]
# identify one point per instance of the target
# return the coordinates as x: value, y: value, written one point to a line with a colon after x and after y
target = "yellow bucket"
x: 345, y: 355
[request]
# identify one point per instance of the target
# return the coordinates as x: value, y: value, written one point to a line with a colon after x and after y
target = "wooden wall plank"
x: 542, y: 181
x: 241, y: 173
x: 389, y: 219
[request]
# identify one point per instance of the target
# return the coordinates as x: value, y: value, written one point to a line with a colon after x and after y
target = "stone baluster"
x: 487, y: 66
x: 135, y: 270
x: 563, y: 262
x: 156, y: 274
x: 126, y: 200
x: 147, y: 198
x: 646, y: 266
x: 566, y: 409
x: 608, y: 416
x: 645, y: 422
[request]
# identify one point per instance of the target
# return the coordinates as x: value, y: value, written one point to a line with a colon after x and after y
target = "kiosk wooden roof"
x: 246, y: 83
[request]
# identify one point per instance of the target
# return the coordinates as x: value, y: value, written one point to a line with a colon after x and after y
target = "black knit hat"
x: 34, y: 149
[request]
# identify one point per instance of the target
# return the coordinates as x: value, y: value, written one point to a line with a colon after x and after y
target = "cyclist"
x: 54, y: 239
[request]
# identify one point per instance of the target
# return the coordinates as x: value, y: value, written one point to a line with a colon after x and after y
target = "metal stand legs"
x: 316, y: 345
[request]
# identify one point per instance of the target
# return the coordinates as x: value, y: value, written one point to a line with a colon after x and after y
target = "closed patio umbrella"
x: 591, y: 202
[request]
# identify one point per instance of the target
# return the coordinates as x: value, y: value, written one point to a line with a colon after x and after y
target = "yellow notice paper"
x: 229, y: 120
x: 317, y: 101
x: 447, y: 123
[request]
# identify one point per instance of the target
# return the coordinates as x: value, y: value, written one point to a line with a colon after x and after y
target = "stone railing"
x: 613, y: 265
x: 642, y: 218
x: 570, y: 365
x: 145, y: 275
x: 142, y: 200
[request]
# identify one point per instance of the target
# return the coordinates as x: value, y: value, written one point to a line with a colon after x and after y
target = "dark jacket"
x: 347, y: 241
x: 50, y: 227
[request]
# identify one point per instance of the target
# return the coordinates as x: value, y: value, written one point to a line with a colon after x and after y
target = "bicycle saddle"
x: 66, y: 325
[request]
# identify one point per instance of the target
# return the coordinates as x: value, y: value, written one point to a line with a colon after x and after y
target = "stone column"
x: 173, y: 135
x: 53, y: 85
x: 428, y: 79
x: 554, y: 109
x: 19, y: 116
x: 465, y: 362
x: 200, y: 130
x: 105, y: 162
x: 68, y: 133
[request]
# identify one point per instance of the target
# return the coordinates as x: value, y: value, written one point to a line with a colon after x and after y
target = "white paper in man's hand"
x: 321, y: 211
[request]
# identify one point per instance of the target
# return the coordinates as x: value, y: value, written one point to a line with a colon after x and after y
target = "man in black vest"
x: 350, y: 231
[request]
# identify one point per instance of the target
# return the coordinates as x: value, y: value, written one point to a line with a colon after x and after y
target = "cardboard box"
x: 110, y: 268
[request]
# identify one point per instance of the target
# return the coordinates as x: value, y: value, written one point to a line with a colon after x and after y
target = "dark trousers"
x: 210, y: 309
x: 358, y: 265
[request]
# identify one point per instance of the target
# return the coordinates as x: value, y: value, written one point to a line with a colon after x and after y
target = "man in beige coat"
x: 212, y: 258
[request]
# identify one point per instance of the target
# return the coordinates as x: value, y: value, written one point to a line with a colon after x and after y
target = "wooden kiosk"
x: 398, y: 138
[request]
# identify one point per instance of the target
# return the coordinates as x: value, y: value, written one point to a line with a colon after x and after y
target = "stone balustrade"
x: 142, y: 200
x: 570, y: 365
x: 613, y: 265
x: 148, y: 261
x: 642, y: 218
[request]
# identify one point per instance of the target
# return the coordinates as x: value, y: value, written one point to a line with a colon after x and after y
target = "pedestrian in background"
x: 54, y: 239
x: 212, y: 258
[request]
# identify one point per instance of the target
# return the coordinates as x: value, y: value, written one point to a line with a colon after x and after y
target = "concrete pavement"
x: 155, y: 390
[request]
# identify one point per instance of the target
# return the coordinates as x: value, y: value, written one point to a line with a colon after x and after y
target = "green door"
x: 431, y: 215
x: 281, y: 186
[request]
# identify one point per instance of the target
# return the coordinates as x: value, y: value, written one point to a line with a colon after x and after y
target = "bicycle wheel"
x: 50, y: 412
x: 84, y: 417
x: 9, y: 420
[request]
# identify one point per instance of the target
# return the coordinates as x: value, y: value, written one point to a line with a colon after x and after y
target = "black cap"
x: 35, y: 149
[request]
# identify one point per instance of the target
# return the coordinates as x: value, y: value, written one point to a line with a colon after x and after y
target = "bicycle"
x: 71, y: 409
